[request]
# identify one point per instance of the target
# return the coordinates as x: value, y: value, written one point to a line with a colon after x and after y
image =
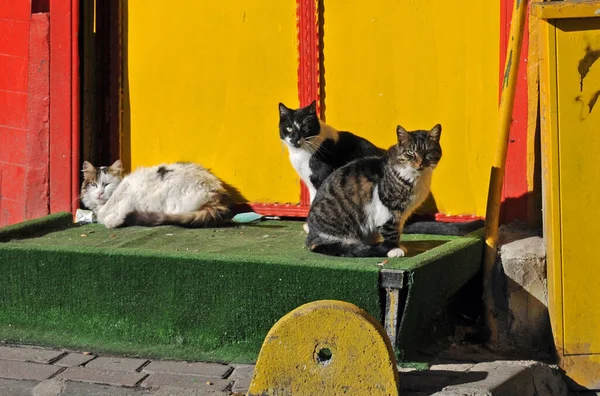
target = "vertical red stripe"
x: 75, y: 106
x: 36, y: 171
x: 61, y: 68
x: 308, y: 63
x: 515, y: 194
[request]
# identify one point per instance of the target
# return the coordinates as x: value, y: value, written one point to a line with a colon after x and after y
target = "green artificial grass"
x: 196, y: 294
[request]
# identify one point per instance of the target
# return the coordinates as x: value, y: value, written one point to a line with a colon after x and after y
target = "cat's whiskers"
x: 311, y: 147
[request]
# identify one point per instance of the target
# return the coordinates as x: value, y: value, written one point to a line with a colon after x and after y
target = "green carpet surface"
x: 196, y: 294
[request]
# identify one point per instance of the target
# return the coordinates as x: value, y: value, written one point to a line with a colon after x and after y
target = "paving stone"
x: 460, y: 367
x: 26, y: 371
x: 16, y: 387
x: 213, y: 370
x: 186, y: 381
x: 179, y: 391
x: 242, y: 376
x: 116, y: 363
x: 74, y: 359
x: 50, y: 387
x: 25, y: 354
x: 86, y: 389
x: 99, y: 376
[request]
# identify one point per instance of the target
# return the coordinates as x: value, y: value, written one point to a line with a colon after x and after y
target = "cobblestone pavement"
x: 45, y: 372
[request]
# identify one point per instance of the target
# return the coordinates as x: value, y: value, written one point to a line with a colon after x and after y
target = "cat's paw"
x: 112, y: 222
x: 396, y: 252
x: 305, y: 227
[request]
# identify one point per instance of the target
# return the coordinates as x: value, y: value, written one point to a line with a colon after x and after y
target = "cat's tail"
x: 345, y: 249
x: 213, y: 214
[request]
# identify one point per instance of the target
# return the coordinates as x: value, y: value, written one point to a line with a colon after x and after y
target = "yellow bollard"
x: 326, y: 348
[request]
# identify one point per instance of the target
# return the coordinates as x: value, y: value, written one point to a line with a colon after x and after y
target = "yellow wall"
x: 418, y: 63
x: 203, y: 82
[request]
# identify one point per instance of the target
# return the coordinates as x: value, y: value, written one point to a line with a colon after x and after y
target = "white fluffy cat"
x: 184, y: 194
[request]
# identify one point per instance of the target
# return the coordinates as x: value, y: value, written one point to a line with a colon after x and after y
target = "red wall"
x: 24, y: 112
x: 38, y: 153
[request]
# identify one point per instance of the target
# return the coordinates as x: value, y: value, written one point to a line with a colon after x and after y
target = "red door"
x: 39, y: 132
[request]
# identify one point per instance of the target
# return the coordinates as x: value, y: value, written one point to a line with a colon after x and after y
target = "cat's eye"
x: 105, y: 184
x: 93, y: 185
x: 289, y: 129
x: 410, y: 153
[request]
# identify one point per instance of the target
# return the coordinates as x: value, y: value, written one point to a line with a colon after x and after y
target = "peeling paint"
x: 507, y: 70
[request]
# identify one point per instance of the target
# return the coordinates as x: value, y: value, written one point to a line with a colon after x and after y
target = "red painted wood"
x: 14, y: 35
x: 14, y: 109
x: 515, y: 189
x: 13, y: 187
x: 308, y: 63
x: 75, y: 106
x: 18, y: 10
x: 13, y: 40
x: 11, y: 211
x: 13, y: 73
x: 38, y: 135
x: 283, y: 210
x: 456, y: 218
x: 289, y: 210
x: 60, y: 106
x: 13, y: 145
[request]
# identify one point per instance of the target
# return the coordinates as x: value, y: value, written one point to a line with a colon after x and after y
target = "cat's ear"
x: 312, y: 108
x: 89, y: 171
x: 116, y: 168
x: 402, y: 135
x: 283, y: 110
x: 435, y: 133
x: 88, y: 167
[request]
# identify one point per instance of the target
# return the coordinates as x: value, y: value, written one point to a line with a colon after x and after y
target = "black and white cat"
x: 316, y: 149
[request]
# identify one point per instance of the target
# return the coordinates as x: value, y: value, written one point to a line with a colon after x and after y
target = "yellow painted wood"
x: 292, y: 362
x: 546, y: 36
x: 578, y: 81
x: 570, y: 117
x: 567, y: 9
x: 583, y: 370
x: 417, y: 63
x: 202, y: 83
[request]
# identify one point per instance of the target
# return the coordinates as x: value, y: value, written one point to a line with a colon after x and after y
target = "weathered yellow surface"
x: 583, y: 369
x: 203, y: 80
x: 567, y: 9
x: 578, y: 80
x: 549, y: 146
x: 570, y: 89
x: 361, y: 363
x: 418, y: 63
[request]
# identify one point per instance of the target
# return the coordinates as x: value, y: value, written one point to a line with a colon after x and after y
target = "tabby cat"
x: 316, y: 149
x: 183, y: 194
x: 361, y: 208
